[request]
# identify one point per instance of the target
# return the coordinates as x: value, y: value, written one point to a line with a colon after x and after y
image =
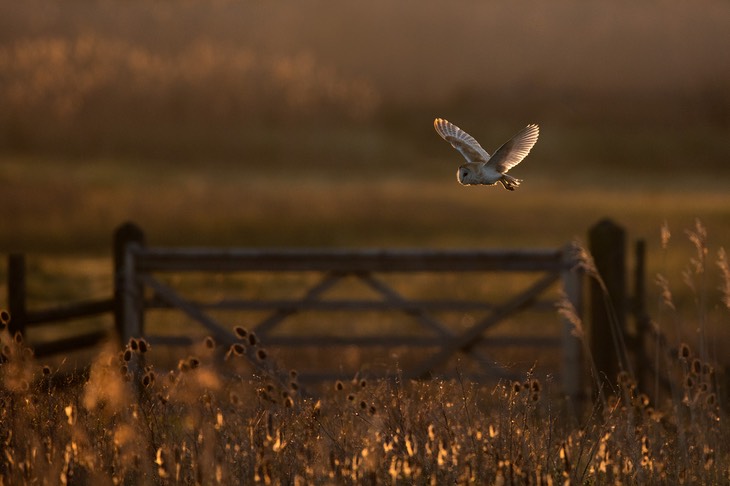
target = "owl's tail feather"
x: 510, y: 183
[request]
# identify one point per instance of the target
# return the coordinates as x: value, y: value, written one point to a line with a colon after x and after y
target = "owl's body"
x: 481, y: 168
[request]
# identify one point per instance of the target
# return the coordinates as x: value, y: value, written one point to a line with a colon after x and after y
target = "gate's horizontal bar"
x: 386, y: 341
x: 348, y: 305
x: 68, y: 312
x: 344, y: 260
x: 410, y: 341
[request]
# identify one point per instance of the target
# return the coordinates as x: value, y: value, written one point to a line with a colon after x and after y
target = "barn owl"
x: 480, y: 168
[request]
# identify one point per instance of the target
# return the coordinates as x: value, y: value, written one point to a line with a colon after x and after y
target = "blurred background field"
x: 246, y: 123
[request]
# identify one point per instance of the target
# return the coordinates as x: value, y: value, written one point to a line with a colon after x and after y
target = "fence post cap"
x: 129, y: 231
x: 606, y: 224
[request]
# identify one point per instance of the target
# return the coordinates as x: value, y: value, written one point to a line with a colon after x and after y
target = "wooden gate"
x: 142, y: 269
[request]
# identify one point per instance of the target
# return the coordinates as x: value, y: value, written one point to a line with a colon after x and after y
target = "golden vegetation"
x: 210, y: 421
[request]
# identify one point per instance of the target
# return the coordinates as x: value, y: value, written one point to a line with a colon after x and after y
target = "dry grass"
x: 211, y: 421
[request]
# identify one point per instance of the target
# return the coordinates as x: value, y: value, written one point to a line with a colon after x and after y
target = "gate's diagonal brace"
x: 219, y: 332
x: 269, y: 323
x: 392, y: 295
x: 471, y: 336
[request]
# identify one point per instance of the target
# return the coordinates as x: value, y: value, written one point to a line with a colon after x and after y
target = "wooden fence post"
x: 572, y: 277
x: 128, y: 293
x: 607, y: 242
x: 16, y: 293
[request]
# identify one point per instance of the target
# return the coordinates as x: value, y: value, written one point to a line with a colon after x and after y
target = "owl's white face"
x: 465, y: 176
x: 471, y: 174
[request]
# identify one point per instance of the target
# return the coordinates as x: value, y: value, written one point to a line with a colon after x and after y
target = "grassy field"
x: 209, y: 421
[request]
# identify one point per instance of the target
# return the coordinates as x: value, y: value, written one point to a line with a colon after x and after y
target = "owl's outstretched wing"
x: 461, y: 141
x: 516, y: 149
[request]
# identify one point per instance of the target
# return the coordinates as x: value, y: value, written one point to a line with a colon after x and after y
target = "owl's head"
x: 464, y: 175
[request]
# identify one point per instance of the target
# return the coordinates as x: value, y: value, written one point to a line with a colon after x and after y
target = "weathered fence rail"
x: 345, y: 260
x: 22, y: 317
x: 139, y: 288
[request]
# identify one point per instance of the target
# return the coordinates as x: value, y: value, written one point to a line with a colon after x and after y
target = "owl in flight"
x: 480, y: 168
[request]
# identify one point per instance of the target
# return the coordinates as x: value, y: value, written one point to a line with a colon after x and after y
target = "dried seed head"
x: 339, y: 386
x: 252, y: 339
x: 261, y: 354
x: 363, y: 404
x: 684, y: 351
x: 133, y: 344
x: 238, y: 349
x: 241, y: 333
x: 696, y: 366
x: 665, y: 235
x: 209, y: 342
x: 516, y: 387
x: 46, y: 370
x: 666, y: 292
x: 351, y: 397
x: 624, y: 378
x: 127, y: 356
x: 143, y: 346
x: 193, y: 362
x: 18, y: 337
x: 4, y: 317
x: 535, y: 385
x: 294, y: 386
x: 363, y: 383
